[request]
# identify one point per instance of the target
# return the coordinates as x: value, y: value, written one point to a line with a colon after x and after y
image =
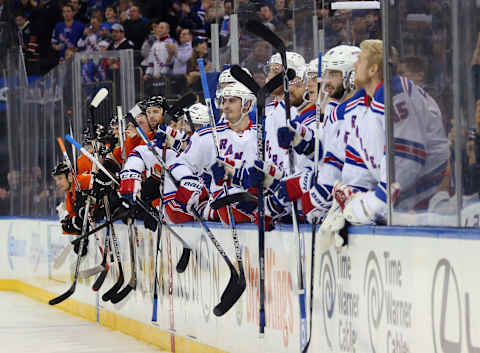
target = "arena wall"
x: 394, y: 289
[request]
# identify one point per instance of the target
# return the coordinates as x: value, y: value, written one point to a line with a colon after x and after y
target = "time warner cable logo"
x: 328, y: 289
x: 373, y: 288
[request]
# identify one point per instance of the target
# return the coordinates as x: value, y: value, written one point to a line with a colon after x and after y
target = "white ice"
x: 28, y: 326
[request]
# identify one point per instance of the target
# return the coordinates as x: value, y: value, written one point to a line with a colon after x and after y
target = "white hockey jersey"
x: 157, y: 58
x: 201, y: 154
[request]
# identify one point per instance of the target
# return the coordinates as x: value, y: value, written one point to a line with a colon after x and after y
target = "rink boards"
x: 393, y: 289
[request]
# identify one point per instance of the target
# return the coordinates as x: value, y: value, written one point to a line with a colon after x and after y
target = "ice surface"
x: 30, y: 326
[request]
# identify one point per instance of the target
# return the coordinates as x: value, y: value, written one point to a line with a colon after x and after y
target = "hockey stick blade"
x: 265, y: 33
x: 63, y: 256
x: 112, y: 291
x: 91, y: 271
x: 100, y: 279
x: 235, y: 288
x: 118, y: 297
x: 99, y: 97
x: 183, y: 262
x: 183, y: 102
x: 63, y: 296
x: 241, y: 75
x: 233, y: 198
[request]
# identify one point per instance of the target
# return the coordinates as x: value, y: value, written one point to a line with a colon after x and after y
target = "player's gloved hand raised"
x: 264, y: 172
x: 171, y: 137
x: 102, y: 185
x: 130, y: 185
x: 189, y: 192
x: 76, y: 247
x: 298, y: 136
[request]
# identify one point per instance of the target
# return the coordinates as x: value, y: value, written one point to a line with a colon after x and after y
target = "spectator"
x: 182, y: 52
x: 29, y: 42
x: 91, y: 36
x: 258, y: 57
x: 225, y: 29
x: 266, y: 16
x: 24, y: 6
x: 119, y: 40
x: 185, y: 17
x: 79, y: 11
x: 4, y: 11
x: 66, y: 33
x: 136, y: 28
x: 110, y: 20
x: 283, y: 14
x: 147, y: 46
x: 98, y: 14
x: 159, y: 59
x: 199, y: 12
x: 373, y: 25
x: 200, y: 50
x: 358, y: 29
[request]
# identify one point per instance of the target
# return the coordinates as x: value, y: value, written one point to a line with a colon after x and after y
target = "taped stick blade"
x: 233, y: 198
x: 183, y: 262
x: 235, y: 288
x: 99, y: 97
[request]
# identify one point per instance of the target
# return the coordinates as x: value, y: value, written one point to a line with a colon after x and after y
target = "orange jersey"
x: 132, y: 142
x: 84, y: 165
x: 70, y: 196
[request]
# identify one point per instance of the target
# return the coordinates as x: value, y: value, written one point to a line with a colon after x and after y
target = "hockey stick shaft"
x: 121, y: 131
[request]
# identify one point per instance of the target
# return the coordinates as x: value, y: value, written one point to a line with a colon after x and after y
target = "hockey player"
x: 338, y: 67
x: 74, y: 202
x: 420, y: 146
x: 237, y: 147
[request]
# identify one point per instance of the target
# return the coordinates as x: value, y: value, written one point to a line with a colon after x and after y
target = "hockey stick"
x: 266, y: 34
x: 185, y: 257
x: 159, y: 238
x: 99, y: 97
x: 186, y: 101
x: 132, y: 283
x: 101, y: 278
x: 318, y: 118
x: 242, y: 285
x: 229, y: 294
x: 71, y: 290
x: 63, y: 256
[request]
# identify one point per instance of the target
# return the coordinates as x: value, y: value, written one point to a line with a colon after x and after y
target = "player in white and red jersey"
x: 338, y: 65
x: 237, y: 139
x: 420, y: 145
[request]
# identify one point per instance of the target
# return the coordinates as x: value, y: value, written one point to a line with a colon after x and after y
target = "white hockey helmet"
x: 237, y: 89
x: 199, y: 114
x: 312, y: 67
x: 225, y: 79
x: 342, y: 58
x: 294, y: 61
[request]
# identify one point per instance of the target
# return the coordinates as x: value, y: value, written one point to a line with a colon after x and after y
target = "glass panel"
x: 434, y: 131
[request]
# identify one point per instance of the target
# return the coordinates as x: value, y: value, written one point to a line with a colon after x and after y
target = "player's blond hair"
x: 374, y: 51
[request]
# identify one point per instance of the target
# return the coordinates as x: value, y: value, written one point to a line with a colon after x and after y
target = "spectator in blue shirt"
x: 110, y: 20
x: 66, y: 33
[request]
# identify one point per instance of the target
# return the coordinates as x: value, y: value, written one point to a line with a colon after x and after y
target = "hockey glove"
x: 316, y: 203
x: 150, y: 189
x: 72, y: 225
x: 188, y: 193
x: 298, y: 136
x: 76, y: 247
x: 102, y: 185
x: 174, y: 139
x: 292, y: 188
x: 218, y: 169
x: 149, y: 221
x: 130, y: 184
x: 267, y: 173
